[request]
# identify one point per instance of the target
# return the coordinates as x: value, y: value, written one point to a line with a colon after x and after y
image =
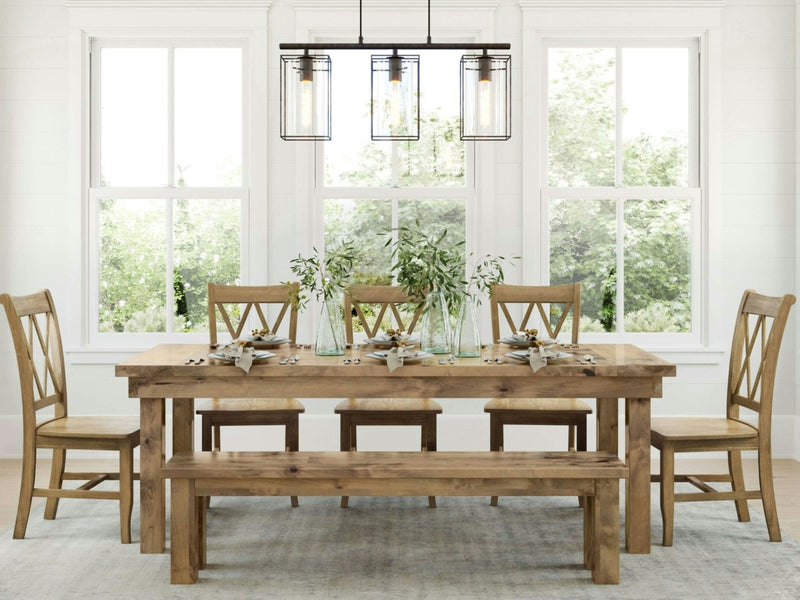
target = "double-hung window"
x: 167, y: 195
x: 621, y: 188
x: 366, y: 188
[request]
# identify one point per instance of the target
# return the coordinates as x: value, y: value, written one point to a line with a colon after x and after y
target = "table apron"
x: 407, y: 387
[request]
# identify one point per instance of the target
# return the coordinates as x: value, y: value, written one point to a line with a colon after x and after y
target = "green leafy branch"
x: 324, y: 277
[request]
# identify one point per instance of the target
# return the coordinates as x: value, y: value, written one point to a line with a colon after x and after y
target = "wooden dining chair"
x: 46, y: 424
x: 354, y: 412
x: 219, y: 412
x: 757, y: 335
x: 562, y: 301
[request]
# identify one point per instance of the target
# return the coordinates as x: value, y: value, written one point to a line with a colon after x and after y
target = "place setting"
x: 241, y: 353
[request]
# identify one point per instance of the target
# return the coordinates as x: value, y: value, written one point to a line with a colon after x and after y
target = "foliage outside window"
x: 622, y: 183
x: 166, y: 189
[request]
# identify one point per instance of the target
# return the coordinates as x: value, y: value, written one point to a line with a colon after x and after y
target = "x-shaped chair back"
x: 236, y: 302
x: 384, y: 298
x: 554, y: 303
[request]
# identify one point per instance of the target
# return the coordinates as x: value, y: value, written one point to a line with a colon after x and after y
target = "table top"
x: 612, y: 360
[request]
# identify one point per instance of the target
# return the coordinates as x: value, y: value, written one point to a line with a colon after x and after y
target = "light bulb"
x: 395, y: 120
x: 485, y: 105
x: 306, y: 104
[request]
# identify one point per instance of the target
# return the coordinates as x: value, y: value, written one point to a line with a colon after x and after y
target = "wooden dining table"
x: 618, y: 371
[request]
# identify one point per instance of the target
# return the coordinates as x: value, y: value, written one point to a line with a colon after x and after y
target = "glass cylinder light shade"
x: 395, y: 97
x: 485, y: 97
x: 306, y: 97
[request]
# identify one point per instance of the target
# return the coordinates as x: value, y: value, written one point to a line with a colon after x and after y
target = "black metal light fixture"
x: 485, y: 89
x: 395, y: 97
x: 485, y: 97
x: 306, y: 97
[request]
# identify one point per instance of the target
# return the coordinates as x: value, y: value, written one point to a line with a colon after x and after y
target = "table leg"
x: 608, y: 425
x: 182, y: 425
x: 637, y: 486
x: 151, y: 460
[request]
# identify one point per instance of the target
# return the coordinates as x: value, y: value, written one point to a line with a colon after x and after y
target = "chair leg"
x: 345, y: 443
x: 428, y: 432
x: 495, y: 441
x: 667, y: 492
x: 571, y: 438
x: 25, y: 491
x: 580, y: 444
x: 217, y: 438
x: 56, y: 481
x: 768, y: 494
x: 737, y: 483
x: 205, y: 443
x: 293, y: 443
x: 125, y: 491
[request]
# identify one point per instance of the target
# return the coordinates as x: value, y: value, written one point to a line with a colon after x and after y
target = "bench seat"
x: 594, y: 475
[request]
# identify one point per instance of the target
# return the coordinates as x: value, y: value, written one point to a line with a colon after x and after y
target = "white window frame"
x: 169, y: 193
x: 545, y: 20
x: 619, y: 193
x: 139, y: 23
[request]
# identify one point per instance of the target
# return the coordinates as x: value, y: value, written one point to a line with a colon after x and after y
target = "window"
x: 622, y: 192
x: 367, y: 188
x: 167, y: 194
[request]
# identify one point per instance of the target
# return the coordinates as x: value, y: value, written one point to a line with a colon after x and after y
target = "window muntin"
x: 623, y: 195
x: 167, y: 206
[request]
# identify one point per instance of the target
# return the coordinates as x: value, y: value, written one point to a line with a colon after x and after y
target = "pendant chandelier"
x: 485, y: 95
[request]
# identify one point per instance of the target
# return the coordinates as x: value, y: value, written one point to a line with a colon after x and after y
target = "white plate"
x: 512, y: 342
x: 257, y: 355
x: 270, y: 343
x: 379, y: 341
x: 420, y: 355
x: 523, y: 355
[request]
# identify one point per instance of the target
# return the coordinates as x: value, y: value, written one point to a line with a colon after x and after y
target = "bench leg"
x: 201, y: 531
x: 495, y: 441
x: 605, y: 534
x: 184, y: 543
x: 428, y: 432
x: 293, y: 442
x: 588, y: 532
x: 345, y: 443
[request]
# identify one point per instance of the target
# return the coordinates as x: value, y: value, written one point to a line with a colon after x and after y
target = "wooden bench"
x: 594, y: 475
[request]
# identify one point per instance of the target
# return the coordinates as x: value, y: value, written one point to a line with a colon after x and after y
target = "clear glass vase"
x: 435, y: 334
x: 330, y: 330
x: 467, y: 337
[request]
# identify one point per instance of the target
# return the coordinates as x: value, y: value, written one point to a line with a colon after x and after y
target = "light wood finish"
x: 751, y: 379
x: 40, y: 361
x: 622, y: 371
x: 355, y: 412
x: 218, y: 412
x: 540, y: 411
x: 197, y: 474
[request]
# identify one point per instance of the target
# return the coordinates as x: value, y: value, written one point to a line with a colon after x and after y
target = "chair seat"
x: 227, y: 406
x: 549, y: 405
x: 700, y: 428
x: 391, y: 405
x: 108, y: 428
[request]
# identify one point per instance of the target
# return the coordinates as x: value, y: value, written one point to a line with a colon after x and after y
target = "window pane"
x: 363, y: 221
x: 657, y: 265
x: 206, y: 243
x: 208, y: 116
x: 436, y: 159
x: 655, y: 97
x: 581, y: 116
x: 583, y: 237
x: 434, y: 216
x: 132, y: 271
x: 133, y: 113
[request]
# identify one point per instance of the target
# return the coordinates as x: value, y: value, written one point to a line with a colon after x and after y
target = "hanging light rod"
x: 360, y: 45
x: 392, y: 46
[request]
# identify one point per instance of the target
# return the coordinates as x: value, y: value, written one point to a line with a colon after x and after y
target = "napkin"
x: 265, y: 337
x: 242, y: 355
x: 396, y: 356
x: 537, y: 358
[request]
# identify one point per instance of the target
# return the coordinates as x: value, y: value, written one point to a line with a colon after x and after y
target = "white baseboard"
x: 455, y: 432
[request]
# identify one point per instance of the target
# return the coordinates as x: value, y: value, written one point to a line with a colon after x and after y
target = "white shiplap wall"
x: 757, y: 229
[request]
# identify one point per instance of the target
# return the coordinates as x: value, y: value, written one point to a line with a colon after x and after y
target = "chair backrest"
x: 40, y: 358
x: 757, y: 337
x: 381, y: 297
x: 566, y: 298
x: 223, y: 298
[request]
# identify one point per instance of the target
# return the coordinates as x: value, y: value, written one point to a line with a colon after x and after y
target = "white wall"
x: 757, y: 231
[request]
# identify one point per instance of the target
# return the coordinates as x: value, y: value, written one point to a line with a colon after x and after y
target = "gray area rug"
x: 397, y: 548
